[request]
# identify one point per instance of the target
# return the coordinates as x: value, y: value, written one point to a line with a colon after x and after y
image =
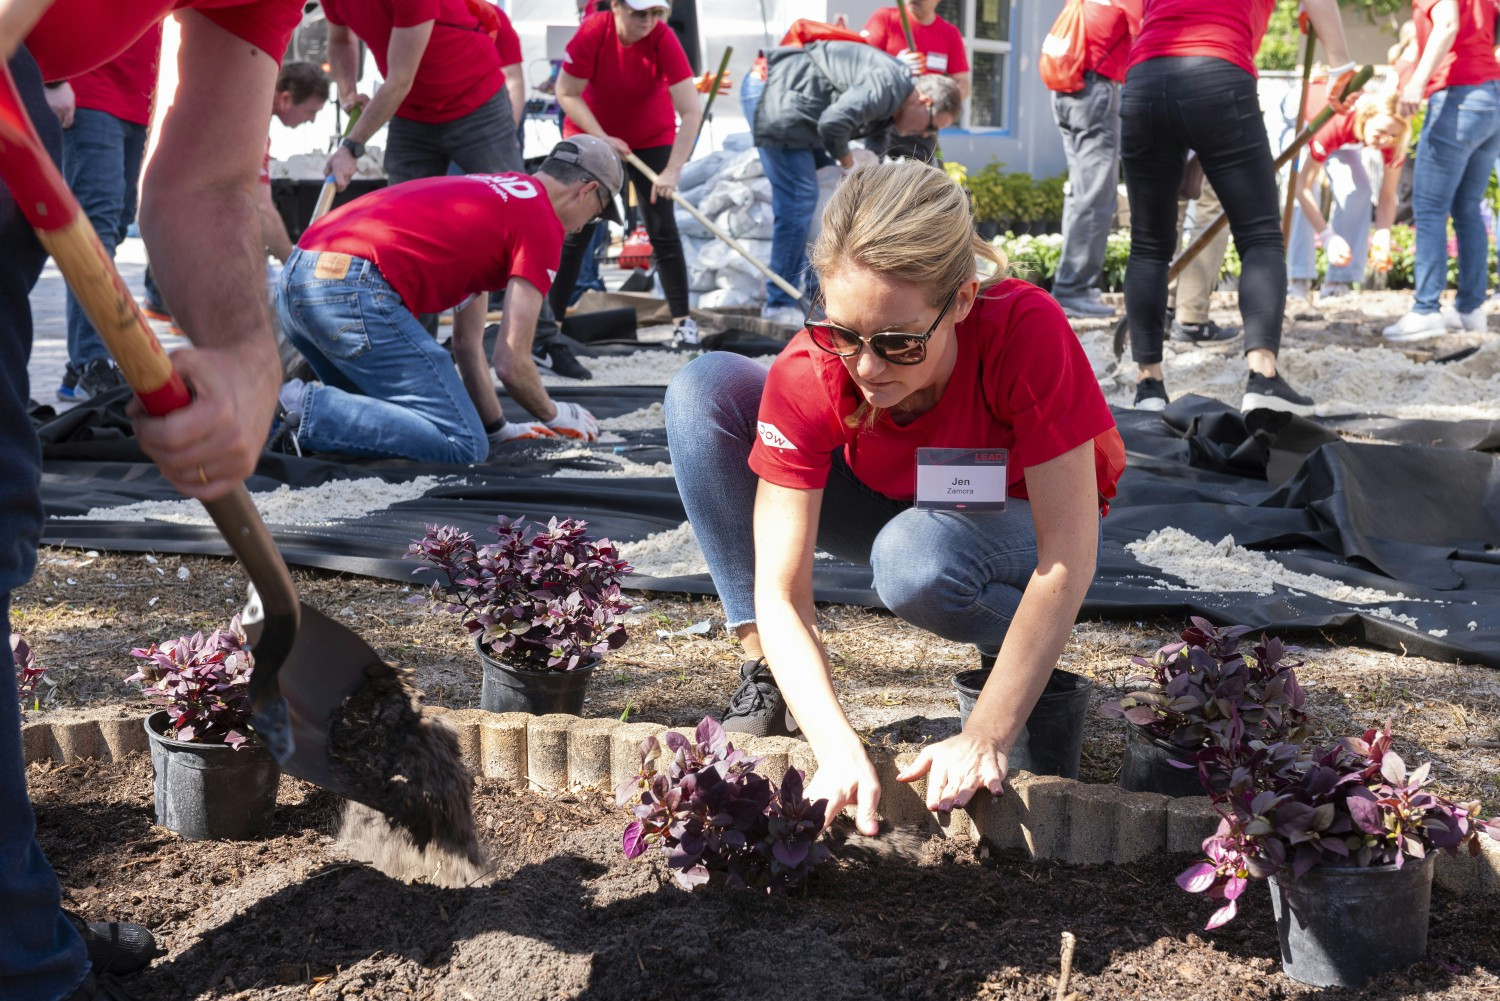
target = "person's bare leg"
x: 749, y: 637
x: 1261, y: 361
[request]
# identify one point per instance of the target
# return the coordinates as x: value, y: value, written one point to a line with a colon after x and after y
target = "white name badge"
x: 937, y: 62
x: 961, y: 479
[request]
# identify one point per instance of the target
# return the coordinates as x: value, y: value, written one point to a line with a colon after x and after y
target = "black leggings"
x: 661, y: 225
x: 1169, y: 106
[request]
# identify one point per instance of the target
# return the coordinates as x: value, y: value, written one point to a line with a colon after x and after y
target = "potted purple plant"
x: 28, y: 673
x: 542, y: 610
x: 718, y: 821
x: 1205, y: 690
x: 1346, y: 835
x: 214, y: 777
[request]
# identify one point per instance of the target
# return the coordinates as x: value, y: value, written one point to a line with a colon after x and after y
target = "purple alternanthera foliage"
x: 548, y: 602
x: 717, y: 820
x: 203, y: 682
x: 27, y: 671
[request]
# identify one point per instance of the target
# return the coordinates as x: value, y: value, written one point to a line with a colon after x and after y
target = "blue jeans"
x: 41, y: 956
x: 793, y: 174
x: 481, y: 142
x: 1350, y: 218
x: 1460, y: 140
x: 388, y: 389
x: 957, y: 575
x: 102, y: 164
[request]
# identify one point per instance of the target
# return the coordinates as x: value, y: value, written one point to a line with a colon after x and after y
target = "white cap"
x: 648, y: 4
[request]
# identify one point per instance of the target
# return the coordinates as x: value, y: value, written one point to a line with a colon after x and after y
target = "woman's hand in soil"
x: 957, y: 768
x: 848, y: 779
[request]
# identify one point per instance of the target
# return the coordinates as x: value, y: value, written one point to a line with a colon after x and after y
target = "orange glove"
x: 705, y: 83
x: 915, y: 61
x: 1339, y: 77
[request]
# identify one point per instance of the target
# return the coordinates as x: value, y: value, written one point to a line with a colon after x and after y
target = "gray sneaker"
x: 97, y: 378
x: 1084, y: 308
x: 757, y: 707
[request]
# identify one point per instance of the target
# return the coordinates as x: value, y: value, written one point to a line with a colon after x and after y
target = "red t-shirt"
x: 627, y: 84
x: 459, y: 69
x: 1472, y: 58
x: 1108, y: 27
x: 507, y: 42
x: 940, y: 41
x: 123, y: 86
x: 441, y: 239
x: 1337, y: 133
x: 1022, y: 382
x: 75, y: 36
x: 1225, y: 29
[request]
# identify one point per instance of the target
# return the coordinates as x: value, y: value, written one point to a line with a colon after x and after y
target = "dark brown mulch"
x: 289, y: 917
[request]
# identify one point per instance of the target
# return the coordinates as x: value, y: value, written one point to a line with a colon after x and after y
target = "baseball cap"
x: 648, y: 4
x: 599, y: 159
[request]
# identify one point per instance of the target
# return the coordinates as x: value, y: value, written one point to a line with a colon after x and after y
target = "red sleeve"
x: 878, y: 30
x: 331, y: 13
x: 798, y: 430
x: 507, y: 42
x: 265, y: 24
x: 1334, y: 135
x: 958, y: 55
x: 671, y: 61
x: 409, y: 13
x: 582, y: 52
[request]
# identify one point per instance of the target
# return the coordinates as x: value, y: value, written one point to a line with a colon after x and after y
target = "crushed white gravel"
x: 673, y: 553
x: 623, y: 466
x: 326, y: 504
x: 641, y: 368
x: 644, y: 419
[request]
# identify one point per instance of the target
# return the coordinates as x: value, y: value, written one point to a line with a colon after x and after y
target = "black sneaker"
x: 1273, y: 393
x: 67, y: 390
x: 284, y: 433
x: 100, y: 987
x: 115, y: 946
x: 1206, y: 332
x: 561, y: 360
x: 98, y: 378
x: 757, y: 707
x: 1151, y: 394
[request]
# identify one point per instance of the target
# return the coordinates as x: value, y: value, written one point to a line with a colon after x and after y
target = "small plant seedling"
x: 28, y: 673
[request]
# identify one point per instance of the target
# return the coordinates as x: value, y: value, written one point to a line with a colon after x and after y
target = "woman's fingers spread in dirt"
x: 917, y: 768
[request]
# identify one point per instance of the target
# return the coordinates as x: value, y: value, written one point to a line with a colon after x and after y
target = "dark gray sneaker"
x: 97, y: 378
x: 757, y: 707
x: 1151, y: 394
x: 1207, y: 332
x: 1273, y: 393
x: 561, y: 360
x: 115, y: 946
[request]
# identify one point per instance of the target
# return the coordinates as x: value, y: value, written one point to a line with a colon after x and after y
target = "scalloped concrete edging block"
x: 1190, y: 819
x: 624, y: 749
x: 465, y: 724
x: 1042, y: 805
x: 74, y: 741
x: 1471, y: 875
x: 120, y: 737
x: 36, y: 742
x: 547, y: 750
x: 589, y: 752
x: 502, y: 746
x: 775, y: 753
x: 902, y: 804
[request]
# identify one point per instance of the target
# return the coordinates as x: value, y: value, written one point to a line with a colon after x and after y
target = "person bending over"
x: 908, y: 347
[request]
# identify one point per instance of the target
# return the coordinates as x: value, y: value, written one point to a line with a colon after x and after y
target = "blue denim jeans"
x: 388, y: 389
x: 41, y: 956
x: 957, y: 575
x: 102, y: 164
x: 793, y: 174
x: 1460, y: 140
x: 481, y: 142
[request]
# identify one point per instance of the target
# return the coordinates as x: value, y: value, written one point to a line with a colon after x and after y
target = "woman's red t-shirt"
x: 123, y: 86
x: 1225, y: 29
x: 1021, y: 382
x: 1472, y: 58
x: 628, y: 85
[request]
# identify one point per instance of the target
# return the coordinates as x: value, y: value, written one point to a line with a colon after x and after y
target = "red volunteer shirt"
x: 123, y: 86
x: 940, y: 41
x: 627, y: 84
x: 75, y: 36
x: 1022, y: 382
x: 459, y: 70
x: 1472, y: 58
x: 1337, y: 133
x: 1225, y: 29
x: 1108, y: 27
x: 507, y: 42
x: 441, y: 239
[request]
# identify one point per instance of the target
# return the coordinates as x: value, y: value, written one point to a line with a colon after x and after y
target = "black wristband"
x: 494, y: 426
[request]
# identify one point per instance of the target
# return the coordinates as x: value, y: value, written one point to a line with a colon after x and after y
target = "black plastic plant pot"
x: 1052, y: 741
x: 1341, y: 927
x: 508, y: 689
x: 211, y: 791
x: 1147, y: 766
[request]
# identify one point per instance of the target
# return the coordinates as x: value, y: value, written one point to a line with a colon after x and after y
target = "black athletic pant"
x: 661, y: 226
x: 1169, y: 106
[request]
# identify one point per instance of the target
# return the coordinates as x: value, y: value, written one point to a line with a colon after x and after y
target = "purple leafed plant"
x: 1288, y: 808
x: 203, y: 682
x: 548, y: 603
x: 717, y: 819
x: 27, y: 671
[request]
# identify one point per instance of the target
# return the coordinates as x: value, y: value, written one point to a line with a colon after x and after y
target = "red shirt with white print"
x: 1225, y: 29
x: 1472, y: 58
x: 459, y: 69
x: 628, y: 85
x: 1021, y: 382
x: 495, y: 227
x: 123, y: 86
x: 941, y: 42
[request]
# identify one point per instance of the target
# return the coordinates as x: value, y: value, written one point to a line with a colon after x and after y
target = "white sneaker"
x: 1451, y: 320
x: 1298, y: 288
x: 686, y: 333
x: 1332, y: 290
x: 787, y: 316
x: 1472, y: 321
x: 1416, y: 327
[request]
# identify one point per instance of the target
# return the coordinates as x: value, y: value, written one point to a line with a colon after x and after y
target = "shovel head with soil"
x: 330, y: 710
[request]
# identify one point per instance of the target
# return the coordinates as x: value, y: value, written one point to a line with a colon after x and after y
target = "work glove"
x: 1380, y: 250
x: 705, y: 83
x: 573, y: 421
x: 916, y: 62
x: 1336, y: 248
x: 1340, y: 77
x: 512, y: 431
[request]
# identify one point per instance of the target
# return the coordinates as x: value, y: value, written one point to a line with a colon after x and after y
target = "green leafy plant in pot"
x: 1206, y: 689
x: 214, y: 778
x: 542, y: 609
x: 1346, y: 835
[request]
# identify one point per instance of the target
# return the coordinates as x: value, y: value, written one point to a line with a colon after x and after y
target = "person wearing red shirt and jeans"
x: 907, y: 348
x: 351, y: 292
x: 198, y: 219
x: 1191, y: 85
x: 1089, y: 120
x: 940, y: 49
x: 1458, y: 76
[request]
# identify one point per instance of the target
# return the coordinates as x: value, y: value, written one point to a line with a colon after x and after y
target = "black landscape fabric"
x: 1410, y: 508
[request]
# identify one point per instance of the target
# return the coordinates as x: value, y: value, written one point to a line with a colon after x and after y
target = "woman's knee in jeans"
x: 918, y: 568
x: 709, y: 388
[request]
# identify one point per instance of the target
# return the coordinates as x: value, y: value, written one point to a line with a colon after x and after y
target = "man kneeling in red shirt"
x: 351, y: 291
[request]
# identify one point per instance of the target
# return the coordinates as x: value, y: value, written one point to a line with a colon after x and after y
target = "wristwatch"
x: 355, y: 149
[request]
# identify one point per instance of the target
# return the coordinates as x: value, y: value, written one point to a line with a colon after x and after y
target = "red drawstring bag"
x: 1064, y: 51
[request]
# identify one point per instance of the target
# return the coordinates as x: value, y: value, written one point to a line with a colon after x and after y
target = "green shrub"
x: 1011, y: 200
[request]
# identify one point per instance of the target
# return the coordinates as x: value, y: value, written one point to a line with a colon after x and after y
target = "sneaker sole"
x: 1424, y: 335
x: 1264, y: 401
x: 1153, y: 405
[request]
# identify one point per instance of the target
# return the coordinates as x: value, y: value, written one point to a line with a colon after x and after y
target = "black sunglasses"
x: 890, y: 345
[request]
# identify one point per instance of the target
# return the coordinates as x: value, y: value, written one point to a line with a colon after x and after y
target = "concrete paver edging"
x: 1047, y: 816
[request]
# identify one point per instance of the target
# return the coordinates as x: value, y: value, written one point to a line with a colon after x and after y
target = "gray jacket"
x: 828, y: 93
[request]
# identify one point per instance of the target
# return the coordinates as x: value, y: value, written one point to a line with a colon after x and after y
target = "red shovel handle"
x: 46, y: 202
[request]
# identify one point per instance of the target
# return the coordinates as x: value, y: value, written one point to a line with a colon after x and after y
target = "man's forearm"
x: 387, y: 98
x: 517, y: 370
x: 473, y: 369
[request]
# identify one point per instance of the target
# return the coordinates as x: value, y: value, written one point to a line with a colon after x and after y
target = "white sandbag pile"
x: 309, y: 166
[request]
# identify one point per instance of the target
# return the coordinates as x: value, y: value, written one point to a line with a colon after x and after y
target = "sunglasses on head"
x: 893, y: 346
